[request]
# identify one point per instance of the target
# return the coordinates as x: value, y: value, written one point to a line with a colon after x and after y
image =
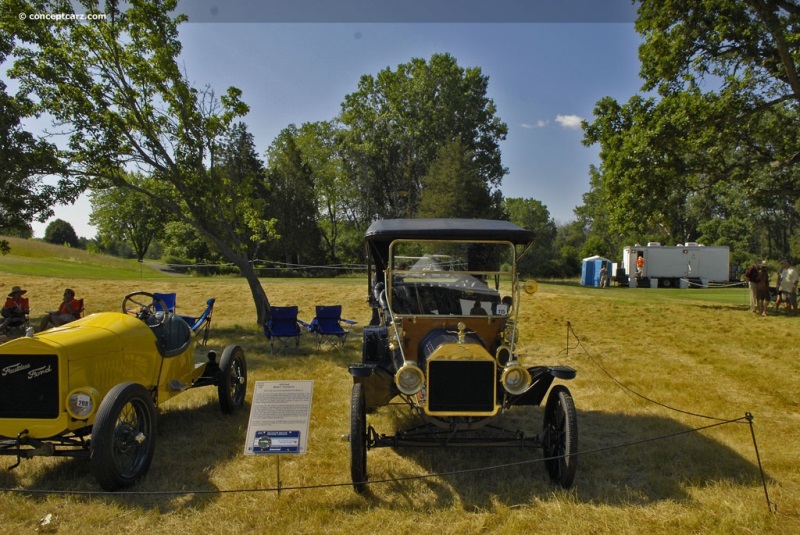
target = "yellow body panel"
x: 99, y: 351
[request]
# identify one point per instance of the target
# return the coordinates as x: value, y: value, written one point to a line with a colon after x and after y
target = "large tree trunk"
x: 248, y: 272
x: 259, y: 295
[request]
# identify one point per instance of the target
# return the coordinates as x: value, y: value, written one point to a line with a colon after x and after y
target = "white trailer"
x: 675, y: 266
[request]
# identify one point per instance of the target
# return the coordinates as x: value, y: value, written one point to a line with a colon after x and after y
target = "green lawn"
x: 644, y: 467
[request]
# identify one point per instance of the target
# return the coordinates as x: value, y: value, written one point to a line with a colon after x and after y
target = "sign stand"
x: 279, y: 417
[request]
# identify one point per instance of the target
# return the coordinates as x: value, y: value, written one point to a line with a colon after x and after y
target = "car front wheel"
x: 560, y: 438
x: 123, y: 436
x: 358, y: 438
x: 232, y: 380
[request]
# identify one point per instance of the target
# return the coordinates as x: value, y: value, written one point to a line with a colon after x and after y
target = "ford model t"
x: 445, y: 296
x: 91, y: 387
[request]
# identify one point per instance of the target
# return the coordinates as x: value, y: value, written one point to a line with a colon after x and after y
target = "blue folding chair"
x: 329, y: 326
x: 201, y: 322
x: 169, y: 300
x: 283, y: 327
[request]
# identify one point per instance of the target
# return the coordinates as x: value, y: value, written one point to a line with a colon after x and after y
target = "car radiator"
x: 29, y: 386
x: 461, y: 386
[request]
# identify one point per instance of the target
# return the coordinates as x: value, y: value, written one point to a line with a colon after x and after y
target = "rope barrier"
x: 280, y: 488
x: 748, y: 418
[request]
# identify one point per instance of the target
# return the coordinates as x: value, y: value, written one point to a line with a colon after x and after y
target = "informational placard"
x: 279, y: 417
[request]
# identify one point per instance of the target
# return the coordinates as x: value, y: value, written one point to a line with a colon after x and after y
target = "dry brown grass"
x: 696, y: 354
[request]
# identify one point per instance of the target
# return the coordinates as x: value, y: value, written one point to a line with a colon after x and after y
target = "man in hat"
x: 15, y: 311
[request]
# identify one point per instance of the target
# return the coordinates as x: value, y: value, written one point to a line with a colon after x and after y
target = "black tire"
x: 560, y: 437
x: 123, y: 436
x: 232, y: 379
x: 358, y: 438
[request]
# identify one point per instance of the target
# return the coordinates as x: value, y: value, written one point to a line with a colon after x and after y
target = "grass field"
x: 643, y: 467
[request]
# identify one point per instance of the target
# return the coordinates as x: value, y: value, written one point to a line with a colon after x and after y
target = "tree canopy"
x: 118, y: 87
x: 60, y: 232
x: 713, y: 152
x: 24, y: 163
x: 129, y: 215
x: 396, y: 123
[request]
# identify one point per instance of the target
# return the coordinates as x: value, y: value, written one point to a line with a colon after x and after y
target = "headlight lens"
x: 82, y: 402
x: 409, y: 379
x: 515, y: 379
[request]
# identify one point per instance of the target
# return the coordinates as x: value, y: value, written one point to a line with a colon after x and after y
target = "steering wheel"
x: 145, y: 310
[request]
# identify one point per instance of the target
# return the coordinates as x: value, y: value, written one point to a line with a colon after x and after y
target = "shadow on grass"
x: 608, y: 472
x: 190, y: 444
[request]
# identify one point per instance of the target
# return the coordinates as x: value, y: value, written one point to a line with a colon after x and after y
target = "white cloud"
x: 541, y: 123
x: 569, y: 121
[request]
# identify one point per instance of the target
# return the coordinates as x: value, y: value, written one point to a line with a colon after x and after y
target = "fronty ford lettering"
x: 14, y: 368
x: 38, y: 372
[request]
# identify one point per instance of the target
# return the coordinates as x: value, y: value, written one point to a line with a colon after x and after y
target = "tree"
x: 182, y: 244
x: 24, y: 162
x: 117, y: 85
x: 292, y: 200
x: 453, y: 187
x: 336, y: 196
x: 533, y: 215
x: 244, y: 170
x: 396, y: 123
x: 128, y: 215
x: 61, y: 232
x: 728, y: 97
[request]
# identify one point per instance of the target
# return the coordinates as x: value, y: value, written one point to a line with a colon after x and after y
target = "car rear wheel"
x: 560, y: 438
x: 232, y: 381
x: 358, y: 438
x: 123, y: 436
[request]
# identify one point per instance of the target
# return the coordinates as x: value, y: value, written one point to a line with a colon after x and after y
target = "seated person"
x: 477, y: 309
x: 15, y: 311
x: 69, y: 310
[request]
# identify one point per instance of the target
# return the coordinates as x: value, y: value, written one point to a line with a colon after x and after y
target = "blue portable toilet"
x: 590, y: 270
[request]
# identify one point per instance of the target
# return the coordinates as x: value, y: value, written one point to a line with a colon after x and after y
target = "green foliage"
x: 24, y: 160
x: 569, y: 244
x: 292, y: 201
x: 60, y: 232
x: 533, y: 215
x: 397, y: 122
x: 337, y: 197
x: 453, y: 187
x: 181, y: 244
x: 715, y: 155
x: 119, y: 86
x: 128, y: 215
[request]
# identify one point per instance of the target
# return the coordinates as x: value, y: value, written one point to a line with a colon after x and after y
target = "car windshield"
x: 449, y: 278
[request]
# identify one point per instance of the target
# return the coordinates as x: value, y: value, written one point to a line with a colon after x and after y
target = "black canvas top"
x: 453, y: 229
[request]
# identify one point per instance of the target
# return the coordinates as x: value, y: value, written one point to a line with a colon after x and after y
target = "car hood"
x: 106, y: 332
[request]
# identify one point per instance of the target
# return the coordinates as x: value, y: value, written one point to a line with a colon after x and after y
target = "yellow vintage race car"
x: 445, y: 297
x: 90, y: 388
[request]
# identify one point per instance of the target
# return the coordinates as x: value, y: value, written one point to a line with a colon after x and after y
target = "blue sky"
x: 543, y: 77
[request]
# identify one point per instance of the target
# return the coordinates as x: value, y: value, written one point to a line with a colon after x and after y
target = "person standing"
x: 751, y: 276
x: 787, y: 286
x: 603, y: 276
x: 762, y: 289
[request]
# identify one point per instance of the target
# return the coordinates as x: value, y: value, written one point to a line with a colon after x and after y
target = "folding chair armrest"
x: 350, y: 322
x: 304, y: 324
x: 313, y: 325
